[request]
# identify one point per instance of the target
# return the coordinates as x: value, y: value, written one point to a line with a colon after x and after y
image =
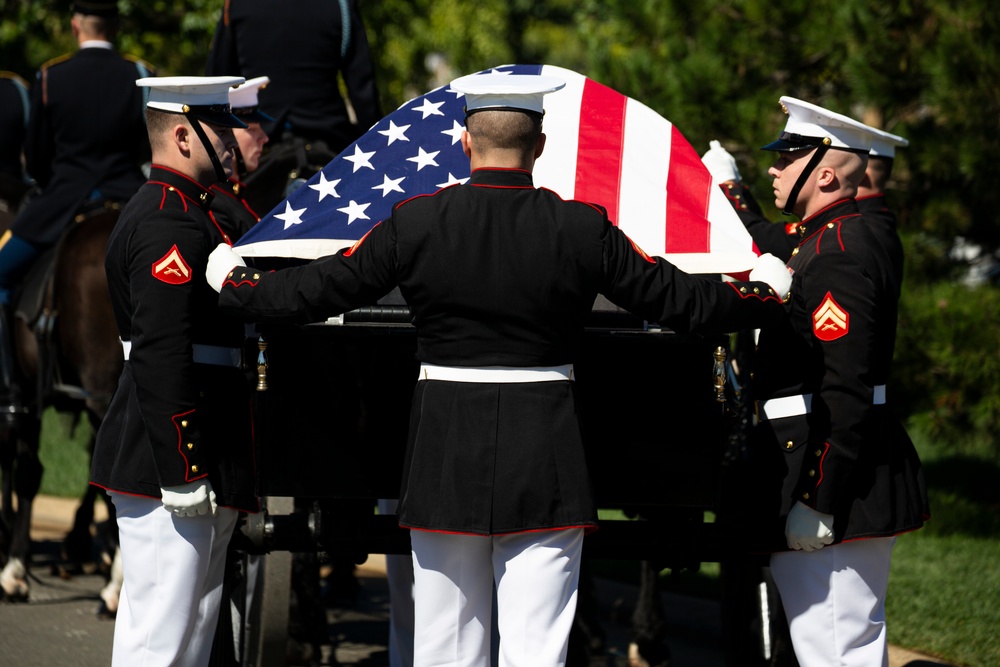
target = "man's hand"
x: 721, y: 165
x: 808, y: 530
x: 193, y: 499
x: 221, y: 263
x: 771, y: 270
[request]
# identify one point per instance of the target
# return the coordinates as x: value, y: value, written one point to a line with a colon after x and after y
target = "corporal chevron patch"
x: 830, y: 321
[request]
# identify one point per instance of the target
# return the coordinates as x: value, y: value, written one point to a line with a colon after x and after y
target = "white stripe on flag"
x: 645, y: 164
x: 556, y: 168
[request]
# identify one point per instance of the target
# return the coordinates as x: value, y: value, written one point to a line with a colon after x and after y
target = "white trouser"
x: 399, y: 576
x: 834, y: 599
x: 536, y: 577
x: 173, y: 583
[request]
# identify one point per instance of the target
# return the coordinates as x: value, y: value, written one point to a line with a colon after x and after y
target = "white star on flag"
x: 291, y: 216
x: 395, y: 132
x: 355, y: 211
x: 423, y: 158
x: 429, y: 108
x: 455, y: 132
x: 325, y: 187
x: 360, y: 158
x: 390, y: 185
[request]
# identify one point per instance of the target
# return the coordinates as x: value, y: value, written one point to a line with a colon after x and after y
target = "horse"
x: 68, y: 354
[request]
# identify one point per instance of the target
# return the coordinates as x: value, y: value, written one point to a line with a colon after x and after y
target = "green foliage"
x: 947, y: 370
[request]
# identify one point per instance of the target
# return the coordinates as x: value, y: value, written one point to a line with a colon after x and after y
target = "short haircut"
x: 504, y: 129
x: 158, y: 123
x: 879, y: 170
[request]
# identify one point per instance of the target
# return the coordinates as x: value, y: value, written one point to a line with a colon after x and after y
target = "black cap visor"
x: 216, y: 114
x: 789, y: 142
x: 252, y: 115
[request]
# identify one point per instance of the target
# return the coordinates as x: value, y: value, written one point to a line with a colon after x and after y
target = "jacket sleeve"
x: 39, y: 144
x: 358, y: 70
x: 660, y: 292
x: 773, y: 237
x: 318, y: 290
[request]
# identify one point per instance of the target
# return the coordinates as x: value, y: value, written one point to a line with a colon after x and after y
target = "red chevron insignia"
x: 830, y: 321
x: 171, y: 268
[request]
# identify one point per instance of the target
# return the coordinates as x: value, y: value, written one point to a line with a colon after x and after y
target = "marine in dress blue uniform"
x: 837, y: 475
x: 230, y: 208
x: 175, y: 450
x: 872, y: 199
x: 500, y: 278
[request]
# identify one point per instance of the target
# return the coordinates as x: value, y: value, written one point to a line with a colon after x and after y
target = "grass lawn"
x: 65, y: 454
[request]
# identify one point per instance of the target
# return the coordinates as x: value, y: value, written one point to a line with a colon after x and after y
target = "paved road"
x: 59, y: 625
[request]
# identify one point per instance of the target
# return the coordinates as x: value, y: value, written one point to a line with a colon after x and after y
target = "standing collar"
x: 183, y: 184
x: 839, y: 209
x: 504, y: 178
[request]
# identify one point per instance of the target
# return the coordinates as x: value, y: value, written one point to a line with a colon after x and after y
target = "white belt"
x: 794, y: 406
x: 496, y: 373
x: 214, y: 355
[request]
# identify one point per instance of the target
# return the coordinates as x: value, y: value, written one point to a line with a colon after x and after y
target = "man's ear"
x: 540, y: 146
x: 467, y: 143
x: 825, y: 176
x: 181, y: 136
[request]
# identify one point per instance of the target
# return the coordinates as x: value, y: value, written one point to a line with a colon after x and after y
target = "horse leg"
x: 8, y: 447
x: 648, y: 647
x: 78, y: 545
x: 28, y: 479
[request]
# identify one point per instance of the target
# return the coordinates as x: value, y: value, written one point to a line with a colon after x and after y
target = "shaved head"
x: 504, y: 129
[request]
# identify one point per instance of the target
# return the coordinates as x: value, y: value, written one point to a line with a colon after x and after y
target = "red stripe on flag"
x: 599, y: 148
x: 688, y: 189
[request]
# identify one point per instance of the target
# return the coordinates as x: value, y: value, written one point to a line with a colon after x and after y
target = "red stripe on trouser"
x: 688, y: 192
x: 599, y: 147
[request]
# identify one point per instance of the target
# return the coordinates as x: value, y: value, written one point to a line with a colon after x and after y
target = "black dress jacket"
x: 302, y: 48
x: 181, y: 412
x: 847, y: 454
x: 86, y: 138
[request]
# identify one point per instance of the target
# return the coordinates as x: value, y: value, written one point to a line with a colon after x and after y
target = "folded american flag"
x: 601, y: 147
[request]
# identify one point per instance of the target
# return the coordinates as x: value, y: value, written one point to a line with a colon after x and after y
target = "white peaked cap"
x: 207, y: 97
x: 495, y: 90
x: 809, y: 126
x: 884, y: 143
x: 245, y: 94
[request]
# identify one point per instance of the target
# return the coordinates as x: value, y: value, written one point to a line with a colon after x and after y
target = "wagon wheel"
x: 752, y: 617
x: 267, y: 621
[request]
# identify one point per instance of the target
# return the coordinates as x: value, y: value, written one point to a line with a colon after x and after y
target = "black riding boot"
x: 10, y: 394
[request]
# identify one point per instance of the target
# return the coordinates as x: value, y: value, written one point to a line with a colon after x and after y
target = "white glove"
x: 721, y: 165
x: 192, y: 499
x: 220, y: 264
x: 807, y: 529
x: 771, y: 270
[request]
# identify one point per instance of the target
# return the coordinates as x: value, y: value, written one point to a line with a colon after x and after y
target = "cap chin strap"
x: 220, y: 173
x: 810, y: 166
x: 241, y: 168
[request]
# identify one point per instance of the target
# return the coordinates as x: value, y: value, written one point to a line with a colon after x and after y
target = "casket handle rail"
x: 261, y: 364
x: 719, y: 374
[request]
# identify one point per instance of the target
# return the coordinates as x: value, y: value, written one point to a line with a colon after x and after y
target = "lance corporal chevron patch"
x: 171, y: 268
